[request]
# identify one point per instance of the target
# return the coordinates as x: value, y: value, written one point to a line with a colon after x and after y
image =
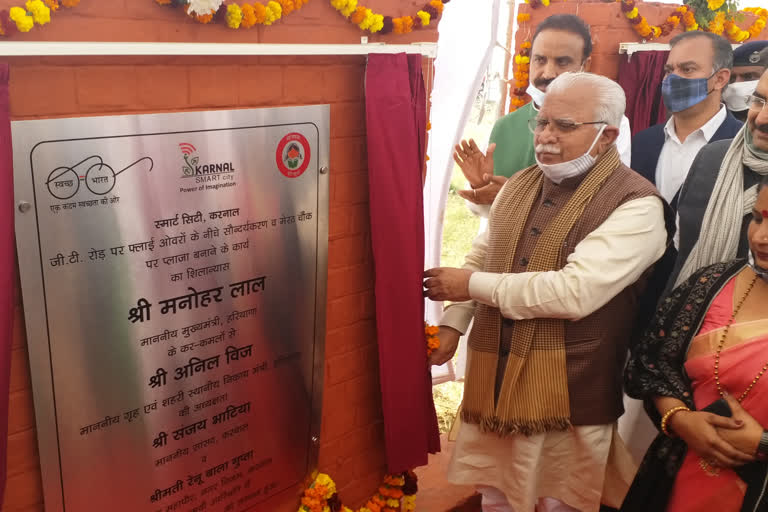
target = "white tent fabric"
x: 459, y: 68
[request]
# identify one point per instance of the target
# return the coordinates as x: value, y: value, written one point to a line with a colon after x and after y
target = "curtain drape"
x: 396, y: 127
x: 640, y: 77
x: 7, y: 268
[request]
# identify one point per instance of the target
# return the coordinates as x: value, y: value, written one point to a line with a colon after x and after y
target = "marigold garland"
x: 373, y: 22
x: 248, y: 15
x: 433, y: 341
x: 34, y: 12
x: 719, y: 19
x: 396, y: 493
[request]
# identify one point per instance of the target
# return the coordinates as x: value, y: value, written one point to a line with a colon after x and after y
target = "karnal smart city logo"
x: 293, y: 155
x: 192, y: 168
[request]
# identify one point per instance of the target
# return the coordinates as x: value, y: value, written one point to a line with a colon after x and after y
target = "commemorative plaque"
x: 173, y: 271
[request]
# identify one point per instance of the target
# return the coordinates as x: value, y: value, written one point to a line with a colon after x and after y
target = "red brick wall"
x: 609, y: 27
x: 352, y: 432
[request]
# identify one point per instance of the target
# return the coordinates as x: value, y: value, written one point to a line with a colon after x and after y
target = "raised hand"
x: 473, y: 162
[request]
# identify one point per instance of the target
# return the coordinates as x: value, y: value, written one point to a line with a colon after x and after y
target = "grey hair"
x: 610, y: 100
x: 721, y: 48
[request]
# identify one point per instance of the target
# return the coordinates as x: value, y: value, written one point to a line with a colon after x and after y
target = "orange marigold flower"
x: 437, y: 4
x: 53, y: 4
x: 523, y: 17
x: 688, y: 18
x: 204, y: 18
x: 674, y: 20
x: 70, y: 3
x: 260, y: 12
x: 163, y: 2
x: 358, y: 16
x: 249, y: 16
x: 287, y: 5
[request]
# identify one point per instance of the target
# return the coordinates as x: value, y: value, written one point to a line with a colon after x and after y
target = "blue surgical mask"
x: 683, y: 93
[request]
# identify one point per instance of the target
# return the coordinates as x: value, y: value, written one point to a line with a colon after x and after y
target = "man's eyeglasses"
x: 537, y: 124
x: 756, y: 103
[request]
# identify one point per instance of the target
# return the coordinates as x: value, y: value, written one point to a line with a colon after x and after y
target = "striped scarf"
x: 534, y: 392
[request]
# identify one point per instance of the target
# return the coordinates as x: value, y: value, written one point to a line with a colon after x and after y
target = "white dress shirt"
x: 606, y: 261
x: 676, y: 157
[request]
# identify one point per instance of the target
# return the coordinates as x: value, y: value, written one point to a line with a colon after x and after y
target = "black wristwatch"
x: 762, y: 448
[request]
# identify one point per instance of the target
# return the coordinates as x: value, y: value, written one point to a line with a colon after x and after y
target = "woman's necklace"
x: 722, y: 343
x: 709, y: 467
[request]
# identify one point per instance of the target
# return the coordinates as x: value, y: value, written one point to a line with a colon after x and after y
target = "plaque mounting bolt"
x: 24, y: 206
x: 324, y: 169
x: 315, y: 439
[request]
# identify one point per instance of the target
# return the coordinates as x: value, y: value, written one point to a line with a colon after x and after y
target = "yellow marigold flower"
x: 656, y: 31
x: 545, y: 3
x: 273, y: 12
x: 234, y: 16
x: 326, y: 481
x: 377, y: 24
x: 424, y: 16
x: 367, y: 22
x: 41, y: 14
x: 632, y: 14
x: 523, y: 17
x: 691, y: 28
x: 349, y: 8
x: 715, y: 4
x: 19, y: 16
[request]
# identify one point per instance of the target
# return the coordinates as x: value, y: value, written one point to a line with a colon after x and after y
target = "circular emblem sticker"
x: 292, y: 155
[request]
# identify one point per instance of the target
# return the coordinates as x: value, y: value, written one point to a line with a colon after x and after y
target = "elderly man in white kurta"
x: 553, y: 287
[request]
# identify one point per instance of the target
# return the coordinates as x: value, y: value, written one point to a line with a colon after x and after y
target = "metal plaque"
x: 173, y: 270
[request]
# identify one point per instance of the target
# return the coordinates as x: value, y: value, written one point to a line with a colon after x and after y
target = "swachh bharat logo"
x: 293, y: 155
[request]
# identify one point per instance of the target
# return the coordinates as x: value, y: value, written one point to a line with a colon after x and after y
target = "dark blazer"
x: 647, y: 144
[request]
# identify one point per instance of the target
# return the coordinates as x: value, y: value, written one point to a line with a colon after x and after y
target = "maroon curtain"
x: 396, y: 125
x: 641, y: 77
x: 7, y: 268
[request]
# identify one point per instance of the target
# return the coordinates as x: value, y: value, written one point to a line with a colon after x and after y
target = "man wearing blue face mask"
x: 698, y: 69
x: 715, y: 202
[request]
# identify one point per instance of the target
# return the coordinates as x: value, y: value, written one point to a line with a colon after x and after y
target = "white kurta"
x: 587, y: 464
x: 582, y: 468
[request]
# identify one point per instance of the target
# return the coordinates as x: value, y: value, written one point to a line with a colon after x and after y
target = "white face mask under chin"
x: 736, y: 94
x: 536, y: 94
x: 576, y: 167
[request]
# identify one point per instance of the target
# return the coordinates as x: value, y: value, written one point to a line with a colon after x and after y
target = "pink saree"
x: 696, y: 489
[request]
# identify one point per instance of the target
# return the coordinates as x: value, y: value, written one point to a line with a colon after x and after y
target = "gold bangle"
x: 667, y: 415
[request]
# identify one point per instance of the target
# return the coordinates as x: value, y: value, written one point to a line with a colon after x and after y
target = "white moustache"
x: 548, y: 148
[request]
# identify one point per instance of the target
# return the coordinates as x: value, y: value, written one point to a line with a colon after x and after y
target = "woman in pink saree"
x: 700, y: 370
